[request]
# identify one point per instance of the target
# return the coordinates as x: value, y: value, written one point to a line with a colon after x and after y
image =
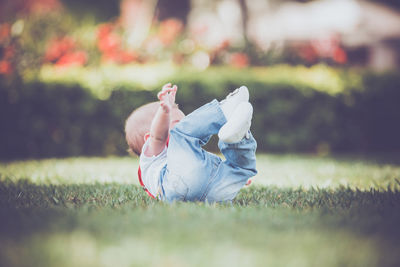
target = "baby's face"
x: 176, y: 116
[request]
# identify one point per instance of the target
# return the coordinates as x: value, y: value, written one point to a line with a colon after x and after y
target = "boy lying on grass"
x: 173, y: 165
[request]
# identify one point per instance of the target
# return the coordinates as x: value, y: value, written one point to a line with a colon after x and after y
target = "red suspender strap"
x: 141, y: 181
x: 142, y: 184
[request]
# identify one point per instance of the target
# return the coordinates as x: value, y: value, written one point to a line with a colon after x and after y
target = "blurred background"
x: 323, y: 74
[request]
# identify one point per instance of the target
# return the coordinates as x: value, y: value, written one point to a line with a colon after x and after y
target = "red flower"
x: 169, y: 30
x: 109, y: 42
x: 307, y: 53
x: 104, y: 30
x: 5, y: 31
x: 325, y: 46
x: 239, y: 60
x: 58, y: 47
x: 340, y: 56
x: 330, y: 48
x: 77, y: 58
x: 5, y: 67
x: 119, y: 56
x: 110, y: 45
x: 127, y: 57
x: 42, y: 6
x: 110, y: 56
x: 9, y: 52
x: 224, y: 45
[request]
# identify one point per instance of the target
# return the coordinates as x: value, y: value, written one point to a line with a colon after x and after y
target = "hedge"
x: 42, y: 119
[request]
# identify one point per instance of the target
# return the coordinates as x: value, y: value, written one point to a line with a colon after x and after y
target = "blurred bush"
x: 55, y: 118
x: 36, y: 34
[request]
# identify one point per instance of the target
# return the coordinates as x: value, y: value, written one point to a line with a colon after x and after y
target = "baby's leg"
x: 192, y: 132
x: 239, y: 166
x: 241, y: 155
x: 189, y: 167
x: 208, y: 120
x: 202, y: 123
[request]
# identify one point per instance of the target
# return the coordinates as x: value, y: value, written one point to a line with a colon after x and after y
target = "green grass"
x: 299, y: 211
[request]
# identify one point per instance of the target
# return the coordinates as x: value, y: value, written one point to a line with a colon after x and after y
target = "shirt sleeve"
x: 151, y: 169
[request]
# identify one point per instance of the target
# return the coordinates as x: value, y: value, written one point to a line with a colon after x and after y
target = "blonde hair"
x: 138, y: 124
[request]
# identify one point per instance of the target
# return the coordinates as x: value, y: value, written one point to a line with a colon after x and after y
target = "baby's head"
x: 138, y: 124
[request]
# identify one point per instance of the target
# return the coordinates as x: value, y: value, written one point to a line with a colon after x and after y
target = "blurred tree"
x: 136, y: 17
x: 245, y: 18
x: 9, y: 10
x: 392, y: 3
x: 173, y: 8
x: 100, y: 10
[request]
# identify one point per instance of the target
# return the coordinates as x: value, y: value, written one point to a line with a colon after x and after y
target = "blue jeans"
x: 193, y: 174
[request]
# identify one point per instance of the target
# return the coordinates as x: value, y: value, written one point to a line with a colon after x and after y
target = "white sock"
x: 238, y: 125
x: 229, y: 104
x: 226, y: 109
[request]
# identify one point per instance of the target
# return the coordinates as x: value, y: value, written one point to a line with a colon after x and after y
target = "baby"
x: 173, y: 165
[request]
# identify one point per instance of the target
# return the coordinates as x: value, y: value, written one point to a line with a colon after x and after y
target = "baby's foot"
x: 238, y: 125
x: 229, y: 104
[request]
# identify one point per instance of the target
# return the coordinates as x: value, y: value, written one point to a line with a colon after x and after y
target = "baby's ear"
x: 146, y: 136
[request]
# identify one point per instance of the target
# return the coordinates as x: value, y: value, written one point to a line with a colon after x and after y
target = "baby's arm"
x: 159, y: 130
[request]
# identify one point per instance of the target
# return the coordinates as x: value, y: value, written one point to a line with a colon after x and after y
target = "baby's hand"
x: 167, y: 96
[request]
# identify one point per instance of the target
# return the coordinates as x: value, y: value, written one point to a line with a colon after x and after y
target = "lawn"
x: 300, y: 210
